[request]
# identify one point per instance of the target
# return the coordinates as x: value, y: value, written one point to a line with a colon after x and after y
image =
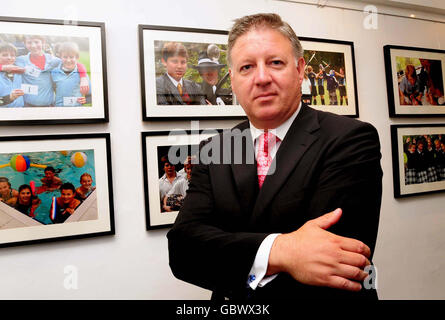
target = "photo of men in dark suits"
x: 289, y: 207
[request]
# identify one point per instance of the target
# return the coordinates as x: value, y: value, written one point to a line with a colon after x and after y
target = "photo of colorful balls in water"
x: 48, y: 187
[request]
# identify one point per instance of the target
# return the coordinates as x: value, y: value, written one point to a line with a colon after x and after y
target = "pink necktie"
x: 266, y: 142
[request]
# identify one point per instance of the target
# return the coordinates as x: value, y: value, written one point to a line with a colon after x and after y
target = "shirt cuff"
x: 258, y: 271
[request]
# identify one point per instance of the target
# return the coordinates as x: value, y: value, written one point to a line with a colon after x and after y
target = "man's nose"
x: 262, y: 75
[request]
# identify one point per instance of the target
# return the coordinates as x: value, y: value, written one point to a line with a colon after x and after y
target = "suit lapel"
x: 245, y: 173
x: 296, y: 142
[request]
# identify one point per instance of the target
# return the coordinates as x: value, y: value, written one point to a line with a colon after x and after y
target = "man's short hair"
x: 6, y: 46
x: 172, y: 49
x: 261, y: 20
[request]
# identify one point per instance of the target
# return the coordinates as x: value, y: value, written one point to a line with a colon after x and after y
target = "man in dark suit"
x: 254, y: 224
x: 171, y: 87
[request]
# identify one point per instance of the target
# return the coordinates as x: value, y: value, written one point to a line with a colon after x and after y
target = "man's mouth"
x: 265, y: 96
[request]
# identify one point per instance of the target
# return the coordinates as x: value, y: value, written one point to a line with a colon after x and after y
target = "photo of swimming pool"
x: 68, y: 165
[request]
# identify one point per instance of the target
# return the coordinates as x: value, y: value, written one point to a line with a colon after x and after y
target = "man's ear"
x: 301, y: 68
x: 163, y: 62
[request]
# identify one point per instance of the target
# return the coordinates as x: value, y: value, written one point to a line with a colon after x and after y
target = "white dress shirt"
x: 258, y: 271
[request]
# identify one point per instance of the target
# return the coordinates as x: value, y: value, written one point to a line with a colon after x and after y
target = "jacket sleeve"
x: 351, y: 179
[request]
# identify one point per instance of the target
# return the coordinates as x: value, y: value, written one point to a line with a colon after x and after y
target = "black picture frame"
x: 94, y: 216
x: 153, y: 143
x: 397, y: 58
x: 407, y: 169
x: 150, y: 66
x: 343, y: 53
x: 89, y: 35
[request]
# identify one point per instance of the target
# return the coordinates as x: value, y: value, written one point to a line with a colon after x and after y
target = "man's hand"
x: 314, y: 256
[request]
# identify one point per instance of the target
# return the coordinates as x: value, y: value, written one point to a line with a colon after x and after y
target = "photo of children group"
x: 174, y: 176
x: 424, y: 158
x: 48, y: 187
x: 44, y: 71
x: 324, y: 80
x: 420, y: 81
x: 189, y: 73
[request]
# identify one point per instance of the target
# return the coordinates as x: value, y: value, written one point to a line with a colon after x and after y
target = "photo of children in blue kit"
x: 50, y: 71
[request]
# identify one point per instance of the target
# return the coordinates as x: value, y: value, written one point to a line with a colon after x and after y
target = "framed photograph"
x: 52, y: 72
x: 55, y: 188
x: 184, y: 74
x: 329, y: 83
x: 168, y: 158
x: 415, y: 81
x: 418, y: 152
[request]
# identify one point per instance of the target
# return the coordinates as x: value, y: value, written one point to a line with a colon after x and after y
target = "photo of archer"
x: 420, y: 81
x: 424, y: 158
x: 192, y: 74
x: 44, y: 71
x: 324, y: 80
x: 174, y: 176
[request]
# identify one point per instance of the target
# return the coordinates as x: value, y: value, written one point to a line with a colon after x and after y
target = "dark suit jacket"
x: 167, y: 93
x: 325, y: 162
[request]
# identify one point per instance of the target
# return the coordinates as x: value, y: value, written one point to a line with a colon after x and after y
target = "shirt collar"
x: 280, y: 131
x: 174, y: 81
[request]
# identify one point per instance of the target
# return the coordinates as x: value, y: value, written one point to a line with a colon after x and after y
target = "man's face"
x: 7, y: 57
x: 176, y: 66
x: 35, y: 46
x: 4, y: 188
x: 69, y: 60
x: 265, y: 77
x: 210, y: 75
x: 67, y: 195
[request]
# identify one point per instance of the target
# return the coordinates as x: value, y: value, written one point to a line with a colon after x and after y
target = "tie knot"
x: 180, y: 89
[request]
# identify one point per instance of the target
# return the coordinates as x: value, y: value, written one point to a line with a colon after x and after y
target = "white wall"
x: 133, y: 264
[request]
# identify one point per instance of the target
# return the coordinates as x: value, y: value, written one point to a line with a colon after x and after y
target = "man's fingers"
x: 354, y: 259
x: 351, y: 273
x: 329, y: 219
x: 353, y: 245
x: 345, y: 284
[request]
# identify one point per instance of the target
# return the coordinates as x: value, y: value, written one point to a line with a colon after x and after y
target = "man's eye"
x: 245, y: 68
x: 277, y: 62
